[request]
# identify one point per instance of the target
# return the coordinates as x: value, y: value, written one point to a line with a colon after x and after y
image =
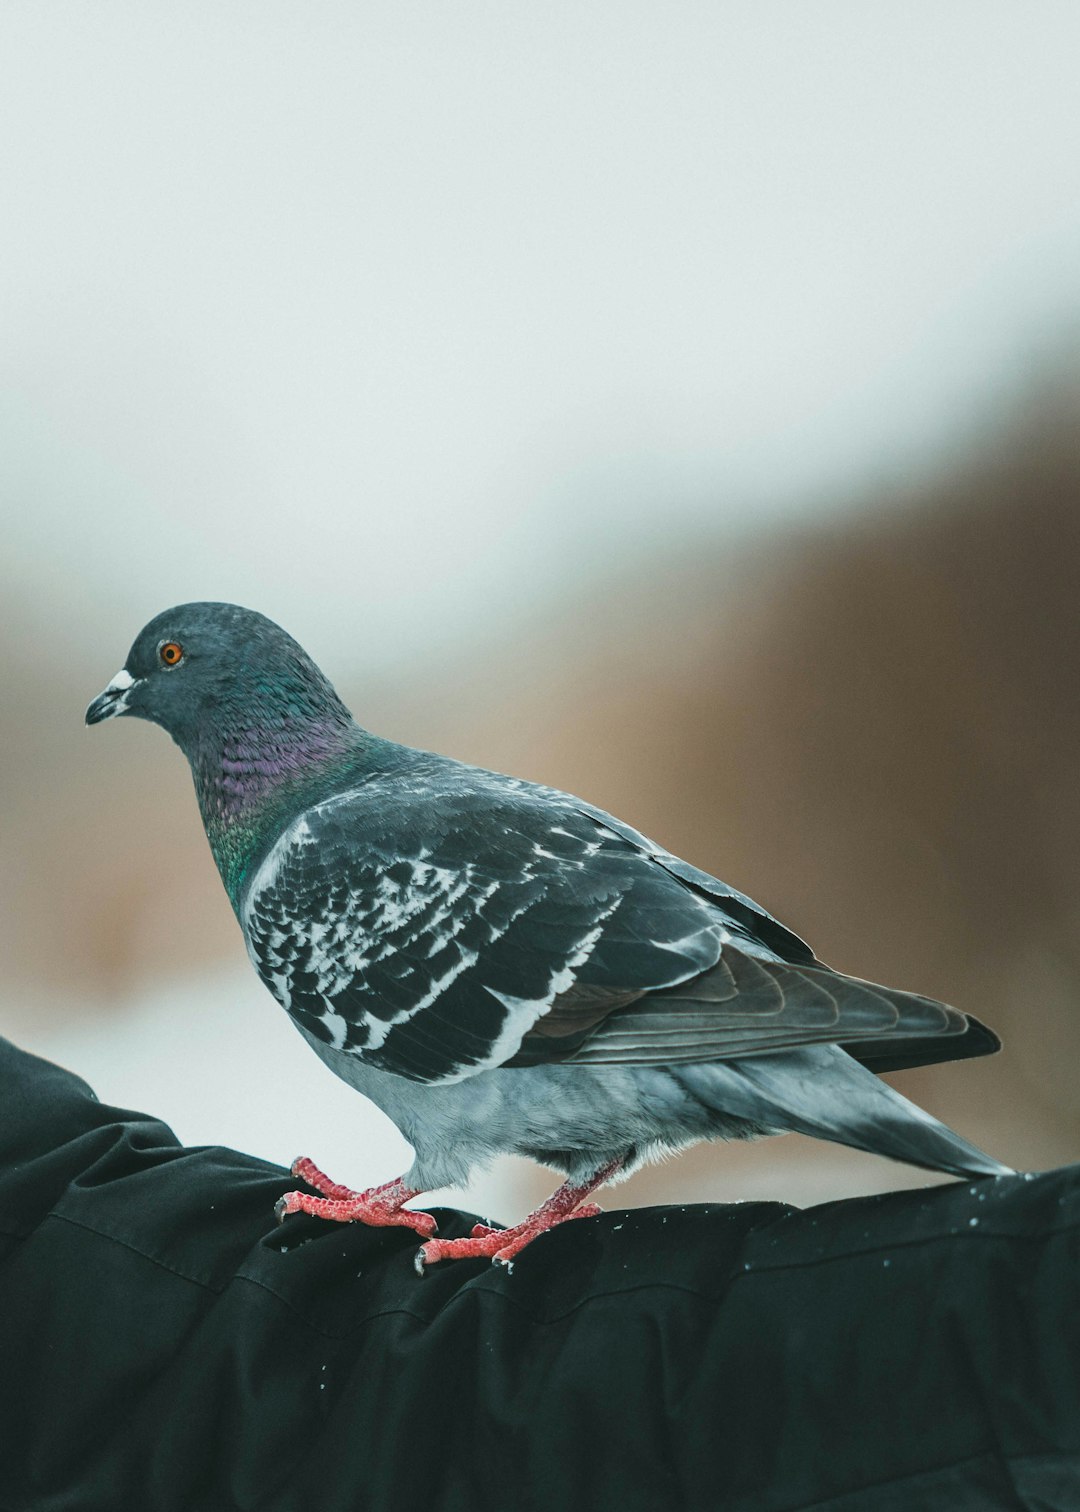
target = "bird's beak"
x: 113, y: 701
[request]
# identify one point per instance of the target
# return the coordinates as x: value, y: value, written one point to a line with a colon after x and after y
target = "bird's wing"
x: 426, y: 932
x: 768, y: 991
x: 467, y: 925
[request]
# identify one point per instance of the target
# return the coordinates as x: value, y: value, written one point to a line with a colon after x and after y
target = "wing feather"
x: 798, y: 1006
x: 466, y: 921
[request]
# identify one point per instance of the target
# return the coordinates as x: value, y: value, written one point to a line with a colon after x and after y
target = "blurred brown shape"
x: 873, y: 728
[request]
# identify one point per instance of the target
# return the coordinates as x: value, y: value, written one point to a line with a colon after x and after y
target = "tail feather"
x: 823, y: 1092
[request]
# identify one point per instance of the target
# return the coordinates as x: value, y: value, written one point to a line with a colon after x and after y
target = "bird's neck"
x: 250, y: 780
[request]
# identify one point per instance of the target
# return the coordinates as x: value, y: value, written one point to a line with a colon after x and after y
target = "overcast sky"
x: 394, y: 317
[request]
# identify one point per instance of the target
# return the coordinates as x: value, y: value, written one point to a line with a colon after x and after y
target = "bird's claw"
x: 357, y: 1209
x: 499, y: 1245
x: 479, y: 1246
x: 379, y: 1207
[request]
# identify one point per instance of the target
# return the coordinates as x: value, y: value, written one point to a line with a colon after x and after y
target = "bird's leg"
x: 588, y: 1210
x: 380, y: 1207
x: 503, y: 1244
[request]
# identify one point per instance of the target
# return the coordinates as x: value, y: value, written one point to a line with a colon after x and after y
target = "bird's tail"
x: 822, y: 1091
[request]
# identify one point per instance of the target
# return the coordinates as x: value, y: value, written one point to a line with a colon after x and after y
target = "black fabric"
x: 164, y: 1345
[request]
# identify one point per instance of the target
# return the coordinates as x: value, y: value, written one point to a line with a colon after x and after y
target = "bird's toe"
x: 478, y: 1247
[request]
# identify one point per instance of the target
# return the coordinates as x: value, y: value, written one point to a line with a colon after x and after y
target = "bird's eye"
x: 171, y: 653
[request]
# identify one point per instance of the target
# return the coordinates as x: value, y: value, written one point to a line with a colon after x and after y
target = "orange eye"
x: 171, y: 653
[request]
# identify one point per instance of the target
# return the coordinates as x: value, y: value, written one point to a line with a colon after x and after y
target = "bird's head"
x: 210, y: 668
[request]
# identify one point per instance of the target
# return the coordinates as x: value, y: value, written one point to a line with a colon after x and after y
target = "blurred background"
x: 677, y: 404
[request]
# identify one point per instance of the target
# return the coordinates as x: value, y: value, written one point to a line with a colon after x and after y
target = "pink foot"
x: 500, y: 1245
x: 379, y: 1207
x: 503, y: 1244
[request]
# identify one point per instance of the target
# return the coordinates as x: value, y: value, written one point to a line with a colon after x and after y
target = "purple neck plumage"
x: 238, y: 773
x: 251, y: 782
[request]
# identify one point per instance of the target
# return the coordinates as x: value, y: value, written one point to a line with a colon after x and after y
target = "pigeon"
x: 502, y: 967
